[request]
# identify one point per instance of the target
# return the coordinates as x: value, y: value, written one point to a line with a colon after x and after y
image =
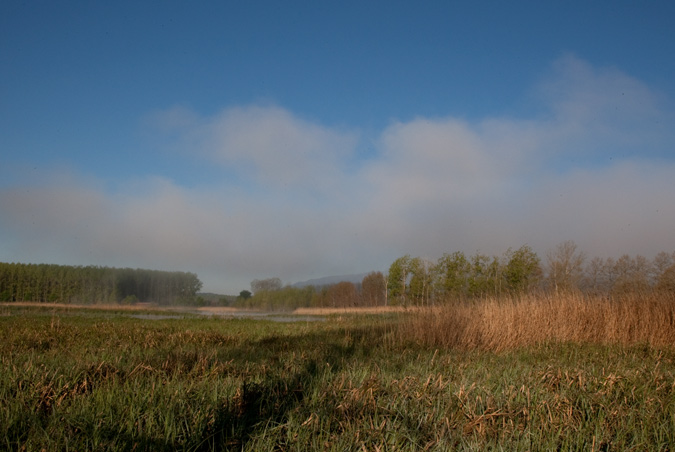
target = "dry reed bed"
x: 354, y: 310
x: 499, y: 323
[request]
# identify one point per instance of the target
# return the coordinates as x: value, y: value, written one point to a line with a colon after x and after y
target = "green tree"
x: 485, y: 276
x: 69, y: 284
x: 421, y: 281
x: 453, y: 273
x: 397, y: 280
x: 523, y: 270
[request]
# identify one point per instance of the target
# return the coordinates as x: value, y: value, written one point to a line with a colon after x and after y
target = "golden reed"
x: 507, y: 323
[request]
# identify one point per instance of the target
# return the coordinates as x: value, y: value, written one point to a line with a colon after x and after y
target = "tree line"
x: 269, y: 294
x: 565, y: 269
x: 47, y: 283
x: 416, y: 281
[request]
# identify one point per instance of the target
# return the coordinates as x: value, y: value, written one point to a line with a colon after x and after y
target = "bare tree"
x: 342, y: 294
x: 262, y: 285
x: 666, y: 281
x: 565, y: 267
x: 374, y: 289
x: 632, y: 274
x: 660, y: 264
x: 595, y: 281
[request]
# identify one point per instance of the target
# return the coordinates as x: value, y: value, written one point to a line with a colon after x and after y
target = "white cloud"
x: 270, y: 144
x: 603, y: 112
x: 435, y: 185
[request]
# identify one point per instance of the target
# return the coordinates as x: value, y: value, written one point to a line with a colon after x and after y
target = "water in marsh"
x: 169, y: 314
x: 273, y: 316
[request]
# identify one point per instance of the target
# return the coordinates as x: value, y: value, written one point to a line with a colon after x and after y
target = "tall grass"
x: 506, y: 323
x: 98, y: 381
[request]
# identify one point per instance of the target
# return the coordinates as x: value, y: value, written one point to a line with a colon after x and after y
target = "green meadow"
x: 104, y: 380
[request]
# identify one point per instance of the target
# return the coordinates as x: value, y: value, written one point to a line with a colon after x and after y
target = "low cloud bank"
x: 595, y: 166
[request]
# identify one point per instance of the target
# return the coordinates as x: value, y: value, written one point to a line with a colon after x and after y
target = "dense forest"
x: 91, y: 284
x: 415, y: 281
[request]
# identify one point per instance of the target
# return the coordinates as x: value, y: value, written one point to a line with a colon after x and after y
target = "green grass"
x: 103, y: 382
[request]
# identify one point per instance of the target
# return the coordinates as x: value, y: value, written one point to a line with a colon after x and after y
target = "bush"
x: 129, y: 300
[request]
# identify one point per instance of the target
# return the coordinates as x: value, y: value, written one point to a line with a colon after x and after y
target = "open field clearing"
x: 399, y: 381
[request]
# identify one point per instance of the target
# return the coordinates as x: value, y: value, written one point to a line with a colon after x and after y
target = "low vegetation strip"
x: 67, y: 306
x: 353, y: 310
x: 355, y: 382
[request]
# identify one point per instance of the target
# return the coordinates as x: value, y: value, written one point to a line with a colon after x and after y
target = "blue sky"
x: 304, y: 139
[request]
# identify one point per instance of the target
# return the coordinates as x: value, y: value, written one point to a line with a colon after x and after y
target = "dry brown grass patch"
x: 353, y: 310
x: 505, y: 323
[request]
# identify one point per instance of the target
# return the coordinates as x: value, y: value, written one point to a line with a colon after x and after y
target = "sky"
x: 302, y: 139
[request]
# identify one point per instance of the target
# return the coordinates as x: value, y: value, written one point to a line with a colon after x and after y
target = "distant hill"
x: 329, y: 280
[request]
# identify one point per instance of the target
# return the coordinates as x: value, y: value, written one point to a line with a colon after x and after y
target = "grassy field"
x: 430, y: 380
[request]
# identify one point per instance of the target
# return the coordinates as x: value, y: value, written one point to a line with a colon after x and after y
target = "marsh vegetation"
x: 597, y: 375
